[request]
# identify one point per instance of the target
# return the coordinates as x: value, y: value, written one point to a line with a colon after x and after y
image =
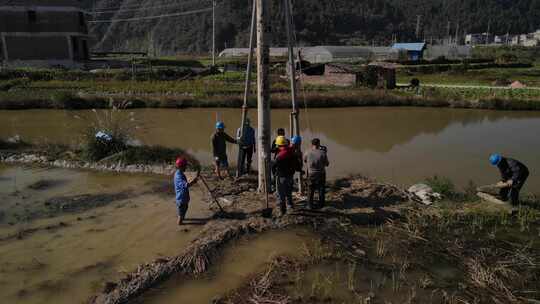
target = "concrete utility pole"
x: 247, y: 87
x: 418, y: 22
x: 448, y: 38
x: 488, y: 29
x: 295, y: 126
x: 213, y: 32
x: 457, y: 33
x: 263, y: 95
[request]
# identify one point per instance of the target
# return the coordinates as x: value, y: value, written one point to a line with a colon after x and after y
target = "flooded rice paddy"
x: 66, y: 255
x: 237, y: 265
x: 399, y: 145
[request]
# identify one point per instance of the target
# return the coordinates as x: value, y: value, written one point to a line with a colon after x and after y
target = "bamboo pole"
x: 247, y: 87
x: 295, y: 119
x: 295, y: 130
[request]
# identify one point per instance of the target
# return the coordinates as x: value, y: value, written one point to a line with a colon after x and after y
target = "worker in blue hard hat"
x: 219, y: 148
x: 514, y: 174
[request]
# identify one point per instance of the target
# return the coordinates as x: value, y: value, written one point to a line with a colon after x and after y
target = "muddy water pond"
x: 108, y: 225
x: 239, y: 262
x: 399, y: 145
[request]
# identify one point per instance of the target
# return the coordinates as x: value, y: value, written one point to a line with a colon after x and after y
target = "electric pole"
x: 457, y: 33
x: 418, y: 22
x: 213, y: 32
x: 263, y: 95
x: 488, y: 30
x: 448, y: 38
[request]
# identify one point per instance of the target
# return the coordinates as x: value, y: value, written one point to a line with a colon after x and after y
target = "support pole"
x: 295, y: 119
x: 247, y: 87
x: 214, y: 33
x: 263, y: 95
x: 295, y: 130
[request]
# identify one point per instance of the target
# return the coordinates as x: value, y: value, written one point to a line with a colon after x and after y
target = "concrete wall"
x: 41, y: 34
x: 35, y: 48
x: 340, y: 80
x: 46, y: 21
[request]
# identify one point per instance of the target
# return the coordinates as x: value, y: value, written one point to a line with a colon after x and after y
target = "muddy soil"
x: 425, y: 257
x: 242, y: 215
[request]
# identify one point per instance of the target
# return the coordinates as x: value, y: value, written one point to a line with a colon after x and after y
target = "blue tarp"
x: 418, y: 47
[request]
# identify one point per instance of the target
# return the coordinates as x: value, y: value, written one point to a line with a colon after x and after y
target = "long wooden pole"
x: 263, y: 95
x: 295, y: 128
x: 295, y: 115
x: 247, y: 87
x: 214, y: 33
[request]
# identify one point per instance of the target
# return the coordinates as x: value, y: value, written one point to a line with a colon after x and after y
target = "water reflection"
x: 402, y: 145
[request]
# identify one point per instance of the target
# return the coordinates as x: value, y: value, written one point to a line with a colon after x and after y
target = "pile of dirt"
x: 81, y: 203
x: 45, y: 184
x: 361, y: 192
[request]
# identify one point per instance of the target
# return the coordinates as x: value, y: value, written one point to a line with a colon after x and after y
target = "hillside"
x: 316, y: 21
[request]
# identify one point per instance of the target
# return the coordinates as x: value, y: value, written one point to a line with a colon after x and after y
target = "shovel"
x: 203, y: 180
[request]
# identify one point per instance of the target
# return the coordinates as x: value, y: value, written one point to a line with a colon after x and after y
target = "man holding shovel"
x: 514, y: 174
x: 181, y: 188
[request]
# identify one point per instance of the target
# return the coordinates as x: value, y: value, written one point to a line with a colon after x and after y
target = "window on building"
x: 32, y: 17
x: 81, y: 19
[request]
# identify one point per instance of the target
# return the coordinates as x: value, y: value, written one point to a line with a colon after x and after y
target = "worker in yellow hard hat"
x: 284, y: 167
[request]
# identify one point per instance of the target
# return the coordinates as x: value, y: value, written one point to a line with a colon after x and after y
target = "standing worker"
x: 317, y: 161
x: 513, y: 177
x: 181, y: 188
x: 285, y: 166
x: 247, y: 147
x: 219, y: 148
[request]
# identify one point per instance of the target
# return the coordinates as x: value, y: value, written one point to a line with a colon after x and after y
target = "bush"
x: 442, y: 185
x: 118, y: 124
x: 96, y: 149
x: 67, y: 100
x: 13, y: 83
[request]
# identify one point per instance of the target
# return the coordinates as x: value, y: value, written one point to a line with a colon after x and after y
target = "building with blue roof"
x: 415, y: 51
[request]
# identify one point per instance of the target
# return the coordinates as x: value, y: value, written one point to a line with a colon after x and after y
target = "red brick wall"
x: 340, y: 80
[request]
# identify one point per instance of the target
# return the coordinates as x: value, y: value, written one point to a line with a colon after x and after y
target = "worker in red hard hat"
x: 181, y: 188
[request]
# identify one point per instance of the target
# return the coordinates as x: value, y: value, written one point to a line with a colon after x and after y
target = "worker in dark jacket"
x: 219, y: 148
x: 513, y: 177
x: 247, y: 147
x: 285, y: 166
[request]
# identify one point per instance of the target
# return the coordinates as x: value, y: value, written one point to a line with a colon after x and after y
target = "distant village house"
x: 527, y: 40
x: 43, y: 33
x: 374, y: 75
x: 414, y: 51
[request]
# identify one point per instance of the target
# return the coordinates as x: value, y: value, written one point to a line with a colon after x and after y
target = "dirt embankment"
x: 242, y: 216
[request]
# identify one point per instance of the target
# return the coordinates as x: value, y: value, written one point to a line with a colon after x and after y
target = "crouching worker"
x: 285, y: 166
x: 514, y: 174
x: 181, y: 187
